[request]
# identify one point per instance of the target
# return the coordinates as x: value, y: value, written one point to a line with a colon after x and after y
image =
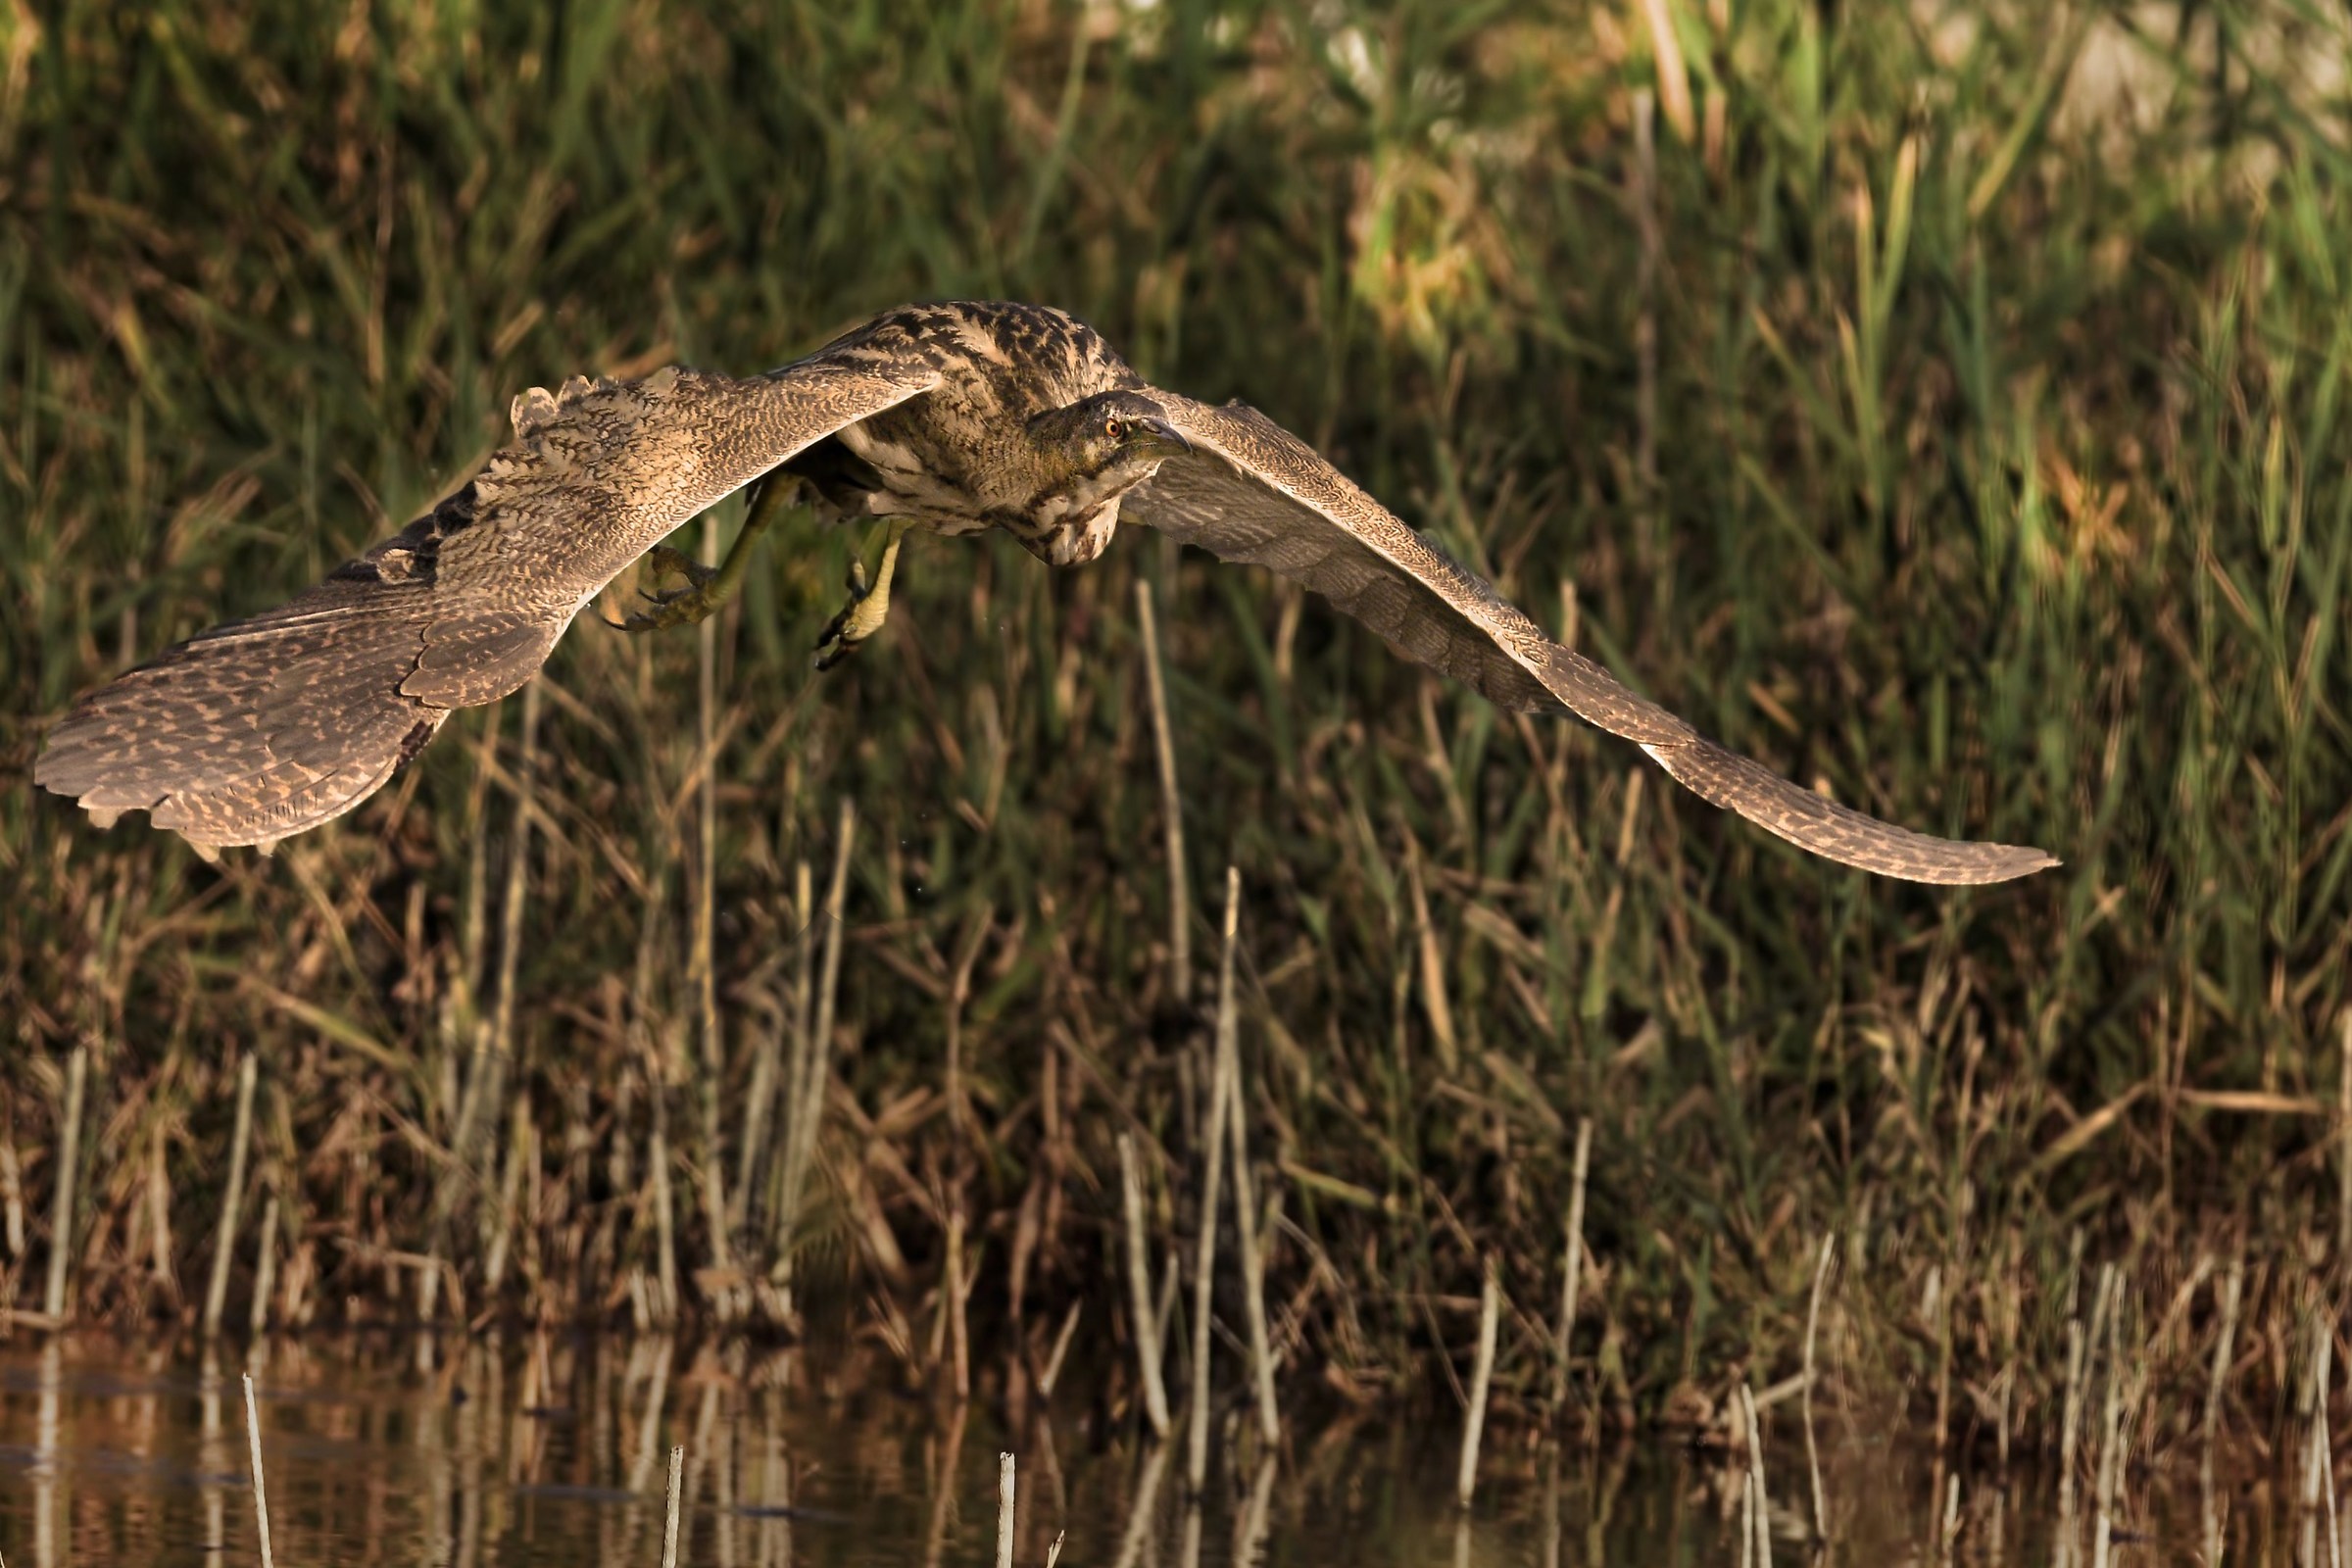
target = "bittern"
x: 954, y: 417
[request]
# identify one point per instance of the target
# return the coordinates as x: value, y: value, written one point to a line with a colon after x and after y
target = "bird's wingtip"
x: 2006, y: 862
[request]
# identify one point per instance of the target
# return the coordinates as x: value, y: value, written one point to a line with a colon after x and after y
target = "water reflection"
x: 555, y: 1450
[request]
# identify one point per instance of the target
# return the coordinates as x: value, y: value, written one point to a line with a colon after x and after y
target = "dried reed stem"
x: 265, y: 1277
x: 1061, y: 1348
x: 1646, y: 293
x: 516, y: 897
x: 766, y: 1059
x: 1005, y: 1501
x: 1244, y: 1197
x: 2074, y: 1273
x: 1164, y: 740
x: 2232, y: 1292
x: 670, y: 1523
x: 1167, y: 1312
x: 1674, y: 76
x: 452, y: 1178
x: 653, y: 1062
x: 1220, y: 1096
x: 69, y: 1163
x: 1821, y: 1276
x: 1755, y: 1476
x: 701, y: 965
x: 261, y: 1496
x: 1256, y: 1516
x: 1139, y: 1291
x: 1951, y: 1517
x: 1436, y: 1004
x: 665, y: 1222
x: 2070, y: 1426
x: 519, y: 1153
x: 1254, y: 1276
x: 472, y: 920
x: 1144, y: 1510
x: 2343, y: 1144
x: 808, y: 1109
x: 960, y: 996
x: 478, y: 1102
x: 240, y: 1138
x: 2111, y: 1439
x: 796, y: 1066
x: 2102, y: 1309
x: 2317, y: 1476
x: 2000, y: 1436
x: 11, y: 1195
x: 1573, y: 1272
x: 1481, y: 1378
x: 2335, y: 1538
x: 1942, y: 1298
x: 513, y: 900
x: 1549, y: 1554
x: 958, y: 1333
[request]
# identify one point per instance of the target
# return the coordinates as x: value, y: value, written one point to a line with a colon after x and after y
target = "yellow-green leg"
x: 706, y: 587
x: 868, y: 605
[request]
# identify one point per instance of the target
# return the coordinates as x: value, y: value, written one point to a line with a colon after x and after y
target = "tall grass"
x: 1999, y: 486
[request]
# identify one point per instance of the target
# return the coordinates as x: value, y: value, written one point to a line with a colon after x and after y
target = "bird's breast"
x: 1062, y: 535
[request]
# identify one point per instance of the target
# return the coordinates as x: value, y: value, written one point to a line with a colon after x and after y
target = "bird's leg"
x: 706, y: 587
x: 870, y: 603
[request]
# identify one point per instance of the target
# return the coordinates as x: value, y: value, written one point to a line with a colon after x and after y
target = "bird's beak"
x: 1158, y: 433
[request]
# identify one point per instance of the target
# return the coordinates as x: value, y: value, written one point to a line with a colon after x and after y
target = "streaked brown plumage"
x: 959, y: 416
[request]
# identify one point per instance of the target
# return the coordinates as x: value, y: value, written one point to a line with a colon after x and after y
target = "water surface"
x: 555, y: 1450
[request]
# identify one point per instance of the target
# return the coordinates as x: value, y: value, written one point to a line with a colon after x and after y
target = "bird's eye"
x: 1114, y: 427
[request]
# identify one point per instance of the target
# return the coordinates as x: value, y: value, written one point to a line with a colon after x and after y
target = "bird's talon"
x: 669, y: 561
x: 859, y: 619
x: 834, y: 644
x: 868, y: 608
x: 695, y: 601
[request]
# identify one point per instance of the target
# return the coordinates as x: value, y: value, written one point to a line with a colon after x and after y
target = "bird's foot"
x: 856, y: 621
x: 868, y: 607
x: 697, y: 600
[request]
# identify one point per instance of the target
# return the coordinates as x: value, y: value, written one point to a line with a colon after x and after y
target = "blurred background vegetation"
x: 1945, y: 409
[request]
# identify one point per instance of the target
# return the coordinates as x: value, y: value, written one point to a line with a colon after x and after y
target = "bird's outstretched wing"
x: 1252, y: 492
x: 265, y: 728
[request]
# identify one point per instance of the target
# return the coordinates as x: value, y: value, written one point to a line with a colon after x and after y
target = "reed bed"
x: 1973, y: 445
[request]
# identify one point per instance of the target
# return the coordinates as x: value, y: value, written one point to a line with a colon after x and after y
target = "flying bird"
x: 955, y: 417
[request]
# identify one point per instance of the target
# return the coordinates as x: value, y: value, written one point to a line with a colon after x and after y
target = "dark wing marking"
x: 265, y: 728
x: 1252, y: 492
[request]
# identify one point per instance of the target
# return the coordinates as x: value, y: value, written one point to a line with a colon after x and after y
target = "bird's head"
x: 1106, y: 443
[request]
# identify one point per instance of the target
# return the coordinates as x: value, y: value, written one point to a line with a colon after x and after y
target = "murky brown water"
x: 556, y: 1451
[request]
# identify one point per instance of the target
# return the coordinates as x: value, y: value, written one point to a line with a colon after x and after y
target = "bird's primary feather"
x: 952, y: 415
x: 1253, y: 492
